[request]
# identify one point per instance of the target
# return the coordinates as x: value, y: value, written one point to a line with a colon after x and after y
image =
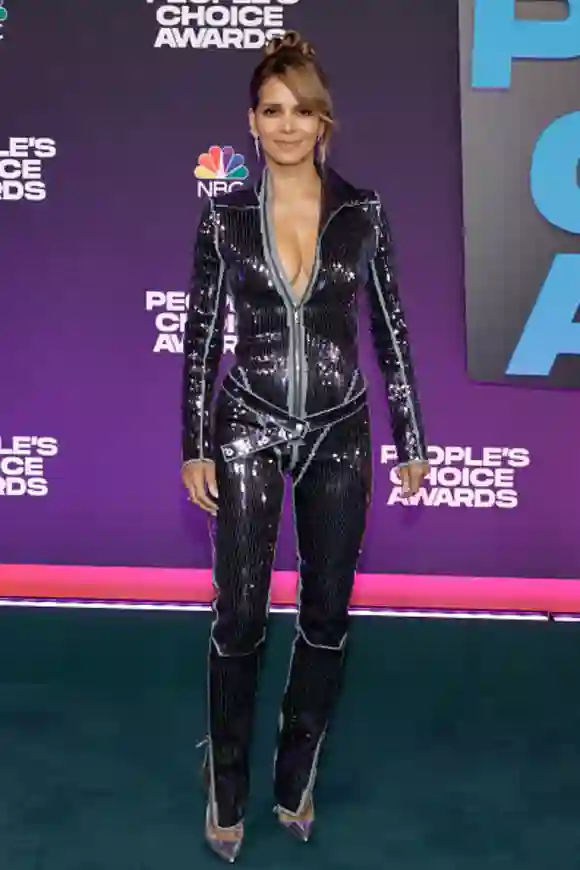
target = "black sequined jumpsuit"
x: 292, y: 406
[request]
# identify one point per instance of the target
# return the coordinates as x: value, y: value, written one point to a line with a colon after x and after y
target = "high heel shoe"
x: 205, y: 775
x: 227, y: 849
x: 295, y: 824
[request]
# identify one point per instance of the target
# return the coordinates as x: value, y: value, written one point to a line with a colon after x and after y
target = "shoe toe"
x: 228, y: 850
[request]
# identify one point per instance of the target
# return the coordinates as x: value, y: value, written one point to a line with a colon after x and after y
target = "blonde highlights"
x: 293, y: 60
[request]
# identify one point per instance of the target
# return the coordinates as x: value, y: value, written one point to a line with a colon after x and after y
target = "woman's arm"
x: 391, y: 340
x: 203, y: 339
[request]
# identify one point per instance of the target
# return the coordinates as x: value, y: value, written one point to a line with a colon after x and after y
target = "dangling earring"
x: 320, y: 151
x: 257, y: 147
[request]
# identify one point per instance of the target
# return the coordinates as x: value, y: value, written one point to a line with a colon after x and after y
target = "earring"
x: 257, y: 146
x: 320, y: 151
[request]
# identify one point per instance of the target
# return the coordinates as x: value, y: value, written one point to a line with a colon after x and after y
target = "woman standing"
x: 292, y: 253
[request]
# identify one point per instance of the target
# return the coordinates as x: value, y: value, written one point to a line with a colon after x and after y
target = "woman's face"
x: 287, y: 130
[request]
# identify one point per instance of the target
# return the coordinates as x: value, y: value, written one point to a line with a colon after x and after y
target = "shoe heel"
x: 205, y: 778
x: 228, y: 850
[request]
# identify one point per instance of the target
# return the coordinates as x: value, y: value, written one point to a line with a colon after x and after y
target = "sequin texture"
x: 299, y: 356
x: 293, y: 407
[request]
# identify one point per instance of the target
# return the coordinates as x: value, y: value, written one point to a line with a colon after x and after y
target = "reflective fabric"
x: 331, y: 486
x: 297, y: 358
x: 300, y: 355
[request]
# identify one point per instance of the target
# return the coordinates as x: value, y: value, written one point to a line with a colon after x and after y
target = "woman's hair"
x: 293, y: 60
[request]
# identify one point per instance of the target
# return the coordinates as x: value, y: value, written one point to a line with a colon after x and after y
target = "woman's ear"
x: 252, y: 122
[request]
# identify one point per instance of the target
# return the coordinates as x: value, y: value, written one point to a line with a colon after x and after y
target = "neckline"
x: 266, y: 197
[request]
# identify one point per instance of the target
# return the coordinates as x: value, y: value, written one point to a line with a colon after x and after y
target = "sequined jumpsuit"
x: 292, y: 407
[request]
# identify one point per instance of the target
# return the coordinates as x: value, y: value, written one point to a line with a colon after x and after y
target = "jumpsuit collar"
x: 336, y: 192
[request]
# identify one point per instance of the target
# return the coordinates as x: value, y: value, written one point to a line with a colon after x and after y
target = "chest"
x: 293, y: 231
x: 335, y: 248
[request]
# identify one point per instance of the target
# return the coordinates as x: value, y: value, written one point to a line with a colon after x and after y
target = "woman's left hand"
x: 412, y: 477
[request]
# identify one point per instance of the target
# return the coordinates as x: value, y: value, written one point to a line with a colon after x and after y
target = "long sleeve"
x: 203, y: 339
x: 391, y: 341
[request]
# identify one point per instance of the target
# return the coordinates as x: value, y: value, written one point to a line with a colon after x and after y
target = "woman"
x: 292, y: 253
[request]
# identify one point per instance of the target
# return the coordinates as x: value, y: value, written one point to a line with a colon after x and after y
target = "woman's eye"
x: 269, y: 111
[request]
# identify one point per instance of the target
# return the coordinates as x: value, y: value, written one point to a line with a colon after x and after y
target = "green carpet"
x: 456, y: 746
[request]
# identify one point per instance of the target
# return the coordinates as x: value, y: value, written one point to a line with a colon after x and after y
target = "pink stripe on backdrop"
x: 398, y: 591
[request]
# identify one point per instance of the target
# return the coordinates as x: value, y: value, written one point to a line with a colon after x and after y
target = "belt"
x: 276, y: 425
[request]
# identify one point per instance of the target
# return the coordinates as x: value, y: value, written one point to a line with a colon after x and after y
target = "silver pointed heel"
x: 226, y: 849
x: 297, y: 827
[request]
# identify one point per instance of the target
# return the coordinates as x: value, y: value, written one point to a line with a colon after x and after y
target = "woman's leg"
x: 245, y: 534
x: 331, y: 497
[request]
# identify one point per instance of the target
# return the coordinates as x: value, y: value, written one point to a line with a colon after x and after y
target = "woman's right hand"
x: 200, y: 481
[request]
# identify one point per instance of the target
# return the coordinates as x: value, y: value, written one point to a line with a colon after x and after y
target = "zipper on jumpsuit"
x: 297, y: 386
x: 295, y: 309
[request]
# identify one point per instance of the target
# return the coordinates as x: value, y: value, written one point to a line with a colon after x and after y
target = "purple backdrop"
x: 129, y: 121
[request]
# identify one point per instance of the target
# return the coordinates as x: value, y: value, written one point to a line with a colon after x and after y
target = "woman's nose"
x: 288, y: 122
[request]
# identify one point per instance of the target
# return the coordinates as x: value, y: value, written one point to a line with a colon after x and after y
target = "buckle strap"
x: 267, y: 436
x: 277, y: 426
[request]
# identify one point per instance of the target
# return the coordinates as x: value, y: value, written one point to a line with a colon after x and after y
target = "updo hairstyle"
x: 293, y: 60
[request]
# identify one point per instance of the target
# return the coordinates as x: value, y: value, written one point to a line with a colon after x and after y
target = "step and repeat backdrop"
x: 117, y: 122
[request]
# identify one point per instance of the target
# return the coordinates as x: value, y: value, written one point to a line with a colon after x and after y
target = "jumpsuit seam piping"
x: 325, y: 432
x: 409, y: 401
x: 210, y: 335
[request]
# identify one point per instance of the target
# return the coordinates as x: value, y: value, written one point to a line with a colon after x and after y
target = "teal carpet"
x: 456, y: 746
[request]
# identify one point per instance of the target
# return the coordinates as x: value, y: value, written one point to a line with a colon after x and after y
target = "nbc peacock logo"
x: 3, y: 17
x: 220, y: 170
